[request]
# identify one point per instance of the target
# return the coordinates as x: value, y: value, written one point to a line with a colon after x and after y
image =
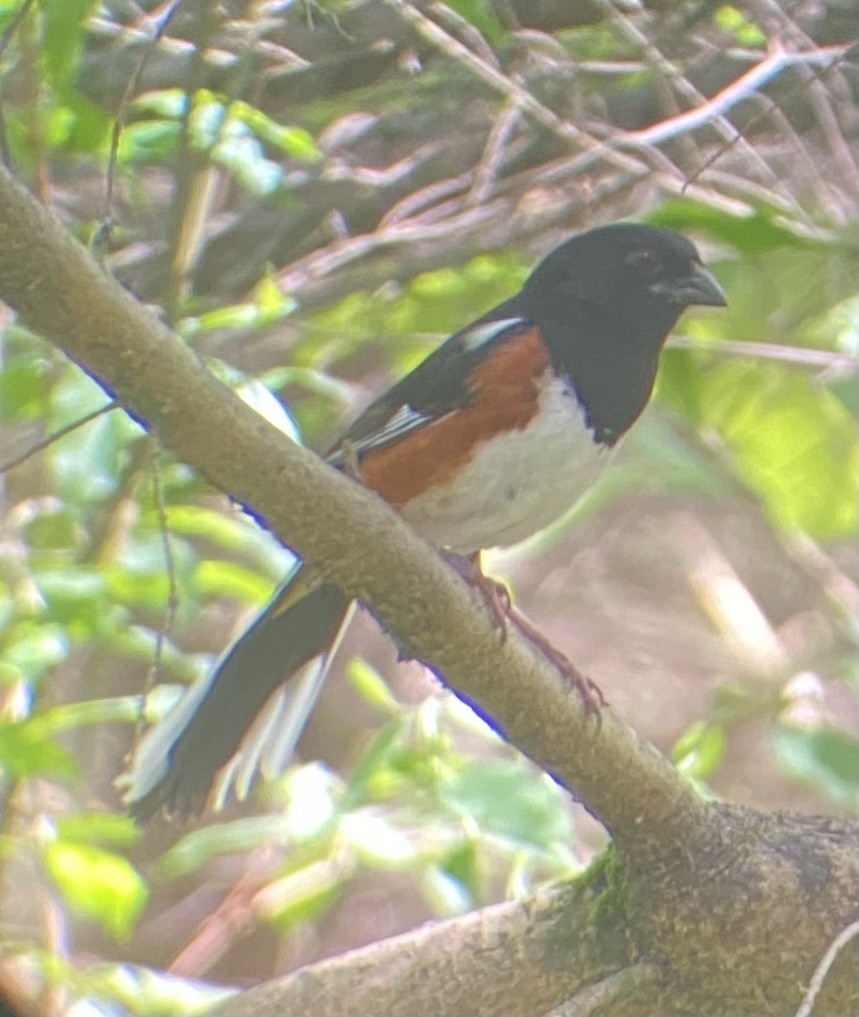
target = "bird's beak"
x: 699, y: 287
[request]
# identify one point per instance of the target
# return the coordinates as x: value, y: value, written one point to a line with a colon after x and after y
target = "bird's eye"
x: 646, y: 262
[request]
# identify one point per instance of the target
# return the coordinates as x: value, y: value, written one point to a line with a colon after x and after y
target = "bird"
x: 494, y: 436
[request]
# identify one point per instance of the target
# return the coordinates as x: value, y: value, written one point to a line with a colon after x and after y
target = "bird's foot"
x: 591, y: 694
x: 495, y: 594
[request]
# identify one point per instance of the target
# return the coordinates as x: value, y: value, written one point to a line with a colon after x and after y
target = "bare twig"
x: 493, y: 154
x: 57, y: 435
x: 801, y: 355
x: 777, y: 61
x: 163, y: 632
x: 119, y: 121
x: 600, y: 997
x: 685, y: 87
x: 512, y: 90
x: 823, y: 968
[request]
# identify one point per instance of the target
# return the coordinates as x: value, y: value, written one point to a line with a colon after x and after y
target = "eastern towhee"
x: 490, y: 439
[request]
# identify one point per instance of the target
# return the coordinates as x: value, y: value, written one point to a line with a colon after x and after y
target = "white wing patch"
x: 480, y: 335
x: 406, y: 420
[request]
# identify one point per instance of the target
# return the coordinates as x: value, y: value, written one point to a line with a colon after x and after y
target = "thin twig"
x: 164, y: 631
x: 683, y: 85
x: 606, y: 995
x: 12, y: 27
x: 512, y: 90
x: 57, y: 435
x: 804, y: 356
x: 822, y: 969
x: 744, y: 86
x: 469, y: 33
x: 493, y: 154
x: 119, y: 120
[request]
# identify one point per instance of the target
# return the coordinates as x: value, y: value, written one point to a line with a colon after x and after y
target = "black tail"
x: 176, y: 762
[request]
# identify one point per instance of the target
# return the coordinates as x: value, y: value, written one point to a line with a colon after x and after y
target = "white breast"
x: 517, y: 484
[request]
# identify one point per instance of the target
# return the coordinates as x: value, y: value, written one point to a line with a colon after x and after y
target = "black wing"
x: 436, y: 387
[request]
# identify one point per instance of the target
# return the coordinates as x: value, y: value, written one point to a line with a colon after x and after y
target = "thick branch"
x: 354, y: 538
x: 733, y: 924
x: 493, y: 961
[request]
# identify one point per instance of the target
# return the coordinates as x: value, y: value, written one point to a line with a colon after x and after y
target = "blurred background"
x: 315, y: 194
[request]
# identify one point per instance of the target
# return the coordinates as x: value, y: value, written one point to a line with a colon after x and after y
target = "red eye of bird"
x: 645, y: 261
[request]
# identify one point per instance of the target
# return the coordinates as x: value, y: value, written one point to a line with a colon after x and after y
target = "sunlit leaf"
x: 505, y: 797
x: 222, y: 838
x: 372, y: 687
x: 699, y: 750
x: 74, y: 598
x: 27, y: 749
x: 22, y: 385
x: 98, y: 827
x: 746, y: 32
x: 754, y: 233
x: 63, y: 24
x: 794, y: 443
x: 227, y: 579
x: 377, y: 842
x: 97, y: 883
x: 259, y: 398
x: 87, y: 460
x: 165, y: 102
x: 481, y: 14
x: 148, y: 141
x: 31, y: 649
x: 293, y: 141
x: 826, y: 758
x: 446, y: 895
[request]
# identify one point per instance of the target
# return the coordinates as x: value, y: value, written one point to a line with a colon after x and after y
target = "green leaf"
x: 47, y: 724
x: 87, y: 461
x: 148, y: 142
x: 462, y: 865
x: 98, y: 884
x: 228, y: 532
x: 447, y: 896
x: 22, y: 388
x: 63, y: 22
x: 507, y: 798
x: 755, y: 233
x: 827, y: 759
x: 372, y: 776
x: 293, y: 141
x: 28, y: 750
x: 74, y: 598
x: 166, y: 103
x: 698, y: 752
x: 226, y: 579
x: 372, y: 687
x: 481, y: 14
x: 432, y: 305
x: 377, y: 842
x: 31, y: 649
x: 746, y: 32
x: 793, y: 442
x: 54, y: 529
x: 98, y: 827
x: 242, y: 835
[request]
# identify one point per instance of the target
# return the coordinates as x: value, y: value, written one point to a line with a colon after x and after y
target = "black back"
x: 601, y: 317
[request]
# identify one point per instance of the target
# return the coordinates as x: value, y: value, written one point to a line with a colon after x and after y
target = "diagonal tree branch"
x: 677, y: 886
x: 355, y: 539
